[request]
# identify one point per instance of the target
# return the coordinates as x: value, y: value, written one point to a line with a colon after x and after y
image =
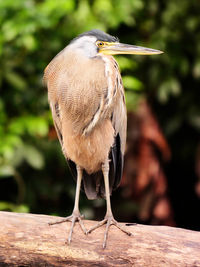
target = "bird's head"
x: 95, y: 42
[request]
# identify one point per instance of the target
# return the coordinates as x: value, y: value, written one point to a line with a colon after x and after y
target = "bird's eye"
x: 100, y: 44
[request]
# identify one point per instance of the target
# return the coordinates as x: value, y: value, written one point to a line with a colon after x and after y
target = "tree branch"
x: 28, y: 240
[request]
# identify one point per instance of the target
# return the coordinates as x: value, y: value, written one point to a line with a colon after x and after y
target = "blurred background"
x: 161, y: 181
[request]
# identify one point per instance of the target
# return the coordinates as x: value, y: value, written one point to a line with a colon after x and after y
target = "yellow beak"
x: 118, y: 48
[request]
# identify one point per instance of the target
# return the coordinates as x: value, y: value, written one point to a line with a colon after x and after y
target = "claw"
x: 108, y: 220
x: 67, y: 219
x: 72, y: 218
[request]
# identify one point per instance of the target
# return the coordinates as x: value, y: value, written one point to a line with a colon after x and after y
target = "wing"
x: 94, y: 183
x: 119, y: 122
x: 79, y: 84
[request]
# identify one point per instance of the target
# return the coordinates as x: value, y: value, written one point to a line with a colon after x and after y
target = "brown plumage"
x: 86, y: 109
x: 87, y: 101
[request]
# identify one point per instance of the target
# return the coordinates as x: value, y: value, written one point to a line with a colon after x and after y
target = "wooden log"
x: 28, y: 240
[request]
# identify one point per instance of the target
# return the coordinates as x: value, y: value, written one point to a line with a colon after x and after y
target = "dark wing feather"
x: 117, y: 161
x: 89, y: 181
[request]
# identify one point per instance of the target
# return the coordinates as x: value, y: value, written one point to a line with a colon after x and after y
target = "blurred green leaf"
x: 132, y: 83
x: 7, y: 206
x: 6, y: 170
x: 33, y: 125
x: 132, y: 100
x: 126, y: 63
x: 196, y: 69
x: 168, y: 88
x: 16, y: 80
x: 33, y: 157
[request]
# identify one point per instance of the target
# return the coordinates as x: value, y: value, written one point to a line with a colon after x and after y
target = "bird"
x: 87, y: 101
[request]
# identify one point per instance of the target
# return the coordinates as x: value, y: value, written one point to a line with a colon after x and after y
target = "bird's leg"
x: 76, y: 216
x: 108, y: 219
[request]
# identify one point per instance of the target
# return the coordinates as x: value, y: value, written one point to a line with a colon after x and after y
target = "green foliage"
x: 33, y: 32
x: 12, y: 207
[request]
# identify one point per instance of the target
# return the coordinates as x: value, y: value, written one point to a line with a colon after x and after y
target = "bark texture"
x: 28, y: 240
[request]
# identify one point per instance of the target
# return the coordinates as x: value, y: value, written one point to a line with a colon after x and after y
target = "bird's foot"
x: 76, y: 216
x: 108, y: 220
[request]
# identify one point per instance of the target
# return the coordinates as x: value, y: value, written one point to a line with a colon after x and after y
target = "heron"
x: 87, y: 101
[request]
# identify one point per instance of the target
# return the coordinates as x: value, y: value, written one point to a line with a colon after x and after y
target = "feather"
x: 89, y: 115
x: 93, y: 184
